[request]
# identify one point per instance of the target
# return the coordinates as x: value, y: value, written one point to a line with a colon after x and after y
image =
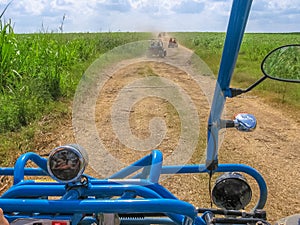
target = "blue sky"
x: 147, y: 15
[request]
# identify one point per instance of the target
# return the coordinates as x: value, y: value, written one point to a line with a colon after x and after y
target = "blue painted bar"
x: 145, y: 161
x: 152, y: 163
x: 21, y: 162
x: 110, y: 190
x: 105, y: 206
x: 9, y: 171
x: 155, y: 169
x: 235, y: 31
x: 33, y: 190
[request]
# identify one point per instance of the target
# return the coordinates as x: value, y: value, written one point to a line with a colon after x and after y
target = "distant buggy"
x: 156, y: 49
x: 172, y: 43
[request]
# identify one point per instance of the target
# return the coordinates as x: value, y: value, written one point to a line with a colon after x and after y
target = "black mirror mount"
x: 238, y: 91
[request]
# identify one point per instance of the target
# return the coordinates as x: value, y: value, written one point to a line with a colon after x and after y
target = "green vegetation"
x: 38, y: 69
x: 39, y: 73
x: 284, y: 63
x: 208, y: 46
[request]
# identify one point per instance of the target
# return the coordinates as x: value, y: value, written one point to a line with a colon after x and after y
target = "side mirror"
x: 242, y: 122
x: 245, y: 122
x: 283, y: 64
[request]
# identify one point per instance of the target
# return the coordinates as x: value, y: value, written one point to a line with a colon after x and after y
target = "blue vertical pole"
x: 235, y: 31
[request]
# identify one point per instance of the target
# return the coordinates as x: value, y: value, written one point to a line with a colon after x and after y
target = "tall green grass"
x: 39, y: 74
x: 40, y: 68
x: 255, y: 47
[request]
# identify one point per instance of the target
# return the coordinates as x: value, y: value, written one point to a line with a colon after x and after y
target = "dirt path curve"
x: 273, y: 148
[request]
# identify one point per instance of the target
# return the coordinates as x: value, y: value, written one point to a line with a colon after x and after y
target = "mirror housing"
x: 282, y: 64
x: 245, y: 122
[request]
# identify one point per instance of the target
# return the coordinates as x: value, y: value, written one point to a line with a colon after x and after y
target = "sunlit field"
x: 39, y: 72
x: 254, y: 48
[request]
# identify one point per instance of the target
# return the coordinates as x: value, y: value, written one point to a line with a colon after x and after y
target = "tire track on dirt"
x: 96, y: 108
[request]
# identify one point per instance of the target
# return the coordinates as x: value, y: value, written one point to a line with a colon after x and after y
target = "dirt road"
x: 117, y: 116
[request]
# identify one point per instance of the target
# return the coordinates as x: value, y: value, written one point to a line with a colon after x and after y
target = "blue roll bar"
x: 235, y: 31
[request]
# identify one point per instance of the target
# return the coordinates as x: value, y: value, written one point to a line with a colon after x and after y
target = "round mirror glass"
x: 283, y: 64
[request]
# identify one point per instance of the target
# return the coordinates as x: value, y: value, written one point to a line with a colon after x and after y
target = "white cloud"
x: 33, y: 7
x: 143, y: 15
x: 282, y: 5
x: 275, y: 16
x: 4, y: 2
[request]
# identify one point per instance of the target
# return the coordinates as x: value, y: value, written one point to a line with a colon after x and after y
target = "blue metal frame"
x: 139, y: 193
x: 235, y: 31
x: 136, y: 188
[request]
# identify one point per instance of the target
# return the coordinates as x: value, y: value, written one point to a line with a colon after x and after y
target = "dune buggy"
x: 156, y: 49
x: 173, y: 43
